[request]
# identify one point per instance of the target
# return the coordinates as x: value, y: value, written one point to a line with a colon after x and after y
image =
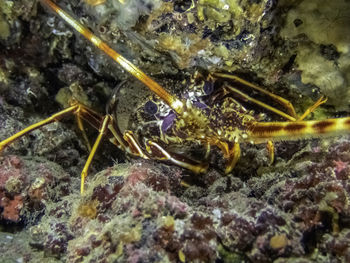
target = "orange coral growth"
x: 12, y: 208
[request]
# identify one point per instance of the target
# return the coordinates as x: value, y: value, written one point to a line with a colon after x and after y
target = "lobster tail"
x: 272, y: 131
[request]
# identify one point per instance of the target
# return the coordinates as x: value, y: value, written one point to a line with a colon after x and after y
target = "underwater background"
x: 135, y: 210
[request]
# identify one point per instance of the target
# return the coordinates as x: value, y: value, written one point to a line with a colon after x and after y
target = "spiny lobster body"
x: 207, y: 119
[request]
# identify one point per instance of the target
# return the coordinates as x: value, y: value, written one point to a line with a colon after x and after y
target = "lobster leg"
x: 154, y: 151
x: 292, y: 116
x: 271, y: 150
x: 93, y: 118
x: 159, y: 153
x: 311, y: 109
x: 82, y: 130
x: 101, y: 133
x: 126, y: 142
x: 270, y: 146
x: 234, y: 155
x: 261, y: 104
x: 231, y: 152
x: 82, y: 113
x: 282, y: 101
x: 52, y: 118
x: 134, y: 145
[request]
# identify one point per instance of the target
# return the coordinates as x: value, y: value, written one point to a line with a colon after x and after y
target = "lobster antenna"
x: 172, y: 101
x: 265, y: 131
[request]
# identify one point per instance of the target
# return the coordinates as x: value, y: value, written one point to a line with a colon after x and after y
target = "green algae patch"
x: 88, y: 209
x: 4, y: 29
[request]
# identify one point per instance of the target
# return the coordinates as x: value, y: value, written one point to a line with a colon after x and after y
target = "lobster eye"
x: 208, y: 87
x: 151, y: 108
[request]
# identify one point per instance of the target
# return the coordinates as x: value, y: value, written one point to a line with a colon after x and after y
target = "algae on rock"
x: 322, y: 34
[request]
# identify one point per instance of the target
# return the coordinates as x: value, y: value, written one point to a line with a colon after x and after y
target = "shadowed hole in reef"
x: 289, y: 65
x: 344, y: 221
x: 182, y: 6
x: 11, y: 227
x: 311, y: 237
x: 286, y: 150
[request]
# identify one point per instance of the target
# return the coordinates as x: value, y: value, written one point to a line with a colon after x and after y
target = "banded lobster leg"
x: 154, y: 150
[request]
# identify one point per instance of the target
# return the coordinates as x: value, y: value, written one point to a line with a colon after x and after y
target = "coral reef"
x: 140, y: 212
x: 296, y: 210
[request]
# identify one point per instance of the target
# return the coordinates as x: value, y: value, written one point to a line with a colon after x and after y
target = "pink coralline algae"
x: 11, y: 181
x: 25, y: 185
x: 10, y: 168
x: 340, y: 166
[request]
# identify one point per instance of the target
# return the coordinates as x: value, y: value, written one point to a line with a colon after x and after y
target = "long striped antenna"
x: 273, y: 131
x: 172, y: 101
